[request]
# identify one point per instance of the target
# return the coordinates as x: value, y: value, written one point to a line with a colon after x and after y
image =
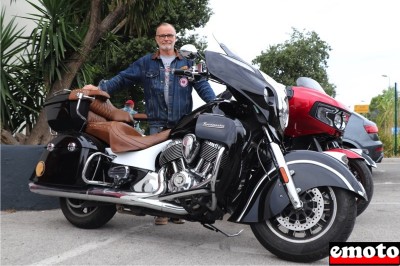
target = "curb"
x: 17, y: 165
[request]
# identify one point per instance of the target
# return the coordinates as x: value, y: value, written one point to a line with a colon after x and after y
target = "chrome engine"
x: 184, y: 164
x: 189, y: 163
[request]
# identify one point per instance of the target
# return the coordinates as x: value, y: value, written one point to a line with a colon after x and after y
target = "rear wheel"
x: 362, y: 173
x: 87, y: 215
x: 328, y: 215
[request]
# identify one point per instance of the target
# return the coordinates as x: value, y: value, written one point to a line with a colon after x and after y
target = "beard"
x: 166, y: 47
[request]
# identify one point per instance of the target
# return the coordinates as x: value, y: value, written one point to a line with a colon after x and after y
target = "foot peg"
x: 213, y: 228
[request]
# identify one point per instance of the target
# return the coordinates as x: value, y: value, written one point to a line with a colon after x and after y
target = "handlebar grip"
x: 181, y: 72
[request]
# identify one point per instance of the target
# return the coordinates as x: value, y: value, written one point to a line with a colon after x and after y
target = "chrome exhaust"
x: 111, y: 196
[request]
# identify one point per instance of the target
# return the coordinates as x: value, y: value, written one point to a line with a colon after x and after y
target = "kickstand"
x: 213, y: 228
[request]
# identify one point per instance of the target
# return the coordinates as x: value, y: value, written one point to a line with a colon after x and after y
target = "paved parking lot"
x: 46, y: 238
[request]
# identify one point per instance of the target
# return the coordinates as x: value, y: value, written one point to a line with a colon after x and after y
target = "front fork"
x: 284, y: 173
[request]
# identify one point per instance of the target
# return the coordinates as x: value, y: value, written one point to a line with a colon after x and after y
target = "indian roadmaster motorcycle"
x: 224, y: 158
x: 317, y: 122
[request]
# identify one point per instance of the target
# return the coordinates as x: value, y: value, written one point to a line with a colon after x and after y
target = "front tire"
x: 362, y: 173
x: 86, y: 215
x: 328, y: 215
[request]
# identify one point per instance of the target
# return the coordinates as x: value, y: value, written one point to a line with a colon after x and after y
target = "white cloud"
x: 363, y: 35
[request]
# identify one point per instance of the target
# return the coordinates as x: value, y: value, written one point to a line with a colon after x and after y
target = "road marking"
x: 385, y: 203
x: 77, y: 251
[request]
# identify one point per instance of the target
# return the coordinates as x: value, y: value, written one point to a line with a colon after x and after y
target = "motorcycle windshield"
x: 254, y: 84
x: 236, y: 73
x: 309, y: 83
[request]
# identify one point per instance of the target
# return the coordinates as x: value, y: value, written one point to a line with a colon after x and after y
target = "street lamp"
x: 395, y: 114
x: 386, y: 76
x: 395, y: 118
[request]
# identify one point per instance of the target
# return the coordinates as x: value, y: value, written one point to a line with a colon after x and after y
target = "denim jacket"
x: 149, y: 72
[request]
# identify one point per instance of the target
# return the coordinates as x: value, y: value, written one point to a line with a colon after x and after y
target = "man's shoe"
x: 177, y: 221
x: 160, y: 220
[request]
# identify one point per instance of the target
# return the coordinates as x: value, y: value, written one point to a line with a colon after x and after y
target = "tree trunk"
x: 7, y: 138
x: 97, y: 28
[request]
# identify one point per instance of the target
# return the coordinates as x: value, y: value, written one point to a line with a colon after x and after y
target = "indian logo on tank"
x: 206, y: 124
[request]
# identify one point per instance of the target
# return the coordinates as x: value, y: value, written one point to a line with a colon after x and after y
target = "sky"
x: 364, y: 37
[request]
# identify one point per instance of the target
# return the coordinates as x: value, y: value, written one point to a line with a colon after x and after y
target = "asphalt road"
x: 46, y: 238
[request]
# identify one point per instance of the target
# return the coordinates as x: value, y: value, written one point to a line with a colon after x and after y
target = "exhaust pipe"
x: 110, y: 196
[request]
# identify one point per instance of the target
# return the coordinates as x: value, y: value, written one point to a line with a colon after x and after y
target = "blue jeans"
x: 155, y: 130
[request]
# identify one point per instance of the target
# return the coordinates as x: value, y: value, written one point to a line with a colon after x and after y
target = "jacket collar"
x: 156, y: 55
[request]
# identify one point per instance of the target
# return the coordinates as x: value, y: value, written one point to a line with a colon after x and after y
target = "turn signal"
x: 40, y: 168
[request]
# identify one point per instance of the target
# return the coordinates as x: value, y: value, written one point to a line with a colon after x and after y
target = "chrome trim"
x: 213, y: 179
x: 290, y: 186
x: 92, y: 182
x: 184, y: 194
x: 110, y: 196
x: 80, y: 95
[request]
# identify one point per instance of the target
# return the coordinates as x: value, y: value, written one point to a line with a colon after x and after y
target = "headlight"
x: 331, y: 116
x: 284, y: 113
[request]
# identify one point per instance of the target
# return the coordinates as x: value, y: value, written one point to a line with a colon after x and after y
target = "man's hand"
x: 90, y: 87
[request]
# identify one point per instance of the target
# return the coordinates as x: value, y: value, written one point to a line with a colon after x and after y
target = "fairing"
x: 249, y: 83
x: 301, y: 122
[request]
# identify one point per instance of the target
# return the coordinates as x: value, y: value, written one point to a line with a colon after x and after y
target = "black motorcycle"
x: 226, y: 157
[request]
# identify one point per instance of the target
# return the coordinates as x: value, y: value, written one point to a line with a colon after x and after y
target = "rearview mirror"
x: 188, y: 51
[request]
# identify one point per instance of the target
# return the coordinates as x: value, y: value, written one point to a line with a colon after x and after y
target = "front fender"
x: 368, y: 160
x: 309, y: 169
x: 355, y: 154
x: 349, y: 153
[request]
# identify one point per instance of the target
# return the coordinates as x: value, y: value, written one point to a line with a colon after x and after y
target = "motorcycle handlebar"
x: 192, y: 76
x: 181, y: 72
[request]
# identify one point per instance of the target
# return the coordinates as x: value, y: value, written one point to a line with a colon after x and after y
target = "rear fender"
x: 309, y: 169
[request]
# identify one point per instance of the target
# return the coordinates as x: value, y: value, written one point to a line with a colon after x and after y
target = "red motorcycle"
x: 317, y: 122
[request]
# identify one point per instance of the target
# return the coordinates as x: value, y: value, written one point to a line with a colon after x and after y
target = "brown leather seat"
x: 109, y: 124
x: 122, y: 137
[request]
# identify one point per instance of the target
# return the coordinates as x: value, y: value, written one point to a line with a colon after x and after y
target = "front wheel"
x: 362, y: 173
x: 86, y: 214
x: 328, y: 215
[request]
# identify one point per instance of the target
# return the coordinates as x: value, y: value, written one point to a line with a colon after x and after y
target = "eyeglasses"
x: 168, y: 36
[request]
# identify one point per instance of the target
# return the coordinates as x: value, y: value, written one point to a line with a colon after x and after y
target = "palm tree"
x: 17, y: 100
x: 58, y: 52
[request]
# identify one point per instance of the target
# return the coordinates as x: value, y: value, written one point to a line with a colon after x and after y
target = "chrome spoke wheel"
x: 317, y: 215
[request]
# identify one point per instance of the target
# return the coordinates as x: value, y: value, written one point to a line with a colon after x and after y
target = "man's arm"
x: 204, y: 90
x: 124, y: 79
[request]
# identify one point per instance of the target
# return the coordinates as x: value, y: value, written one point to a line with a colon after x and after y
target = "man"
x: 168, y: 97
